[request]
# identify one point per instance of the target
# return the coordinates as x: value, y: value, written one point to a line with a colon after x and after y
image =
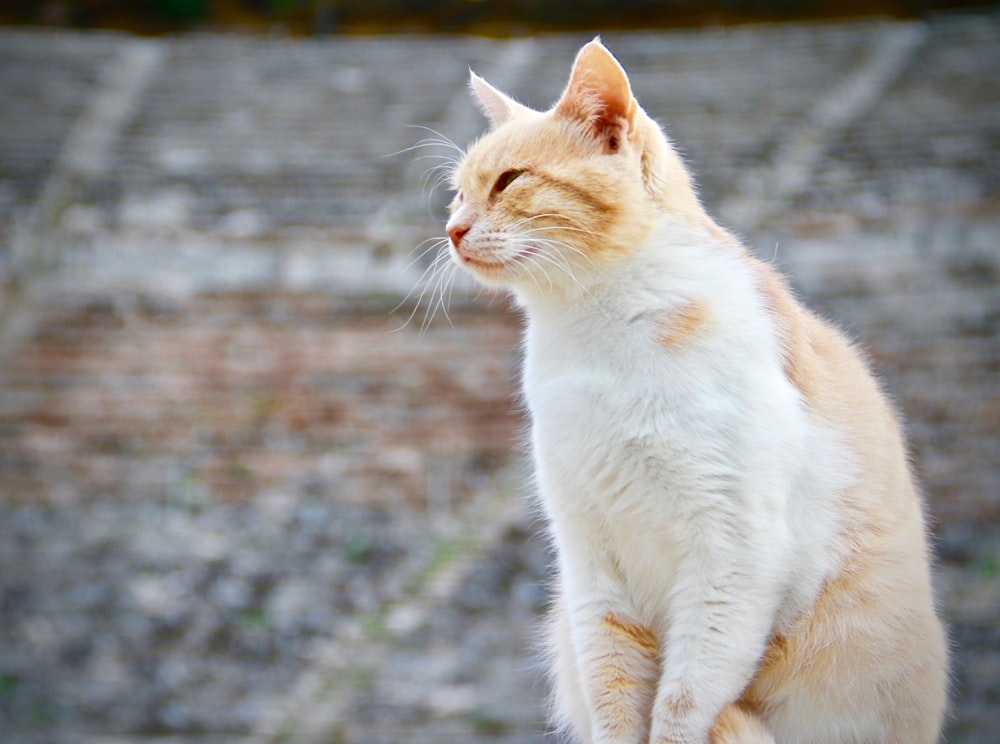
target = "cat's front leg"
x: 721, y: 616
x: 618, y: 665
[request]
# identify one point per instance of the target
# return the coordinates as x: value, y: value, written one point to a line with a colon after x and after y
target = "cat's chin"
x: 495, y: 272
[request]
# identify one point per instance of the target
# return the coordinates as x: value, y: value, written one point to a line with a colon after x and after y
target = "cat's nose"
x: 457, y: 231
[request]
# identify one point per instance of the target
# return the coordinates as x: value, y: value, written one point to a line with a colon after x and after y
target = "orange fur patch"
x: 683, y: 325
x: 620, y: 683
x: 613, y: 699
x: 627, y: 675
x: 801, y: 366
x: 737, y: 726
x: 811, y: 347
x: 577, y: 193
x: 637, y: 636
x: 812, y: 656
x: 680, y: 704
x: 722, y: 236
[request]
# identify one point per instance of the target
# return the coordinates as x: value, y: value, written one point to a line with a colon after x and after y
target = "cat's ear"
x: 498, y: 107
x: 598, y: 93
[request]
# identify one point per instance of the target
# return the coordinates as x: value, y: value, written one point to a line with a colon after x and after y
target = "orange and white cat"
x: 741, y: 547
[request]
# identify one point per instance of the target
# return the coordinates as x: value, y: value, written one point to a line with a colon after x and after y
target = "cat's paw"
x: 677, y: 719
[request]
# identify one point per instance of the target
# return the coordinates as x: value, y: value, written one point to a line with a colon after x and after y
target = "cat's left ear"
x: 498, y: 107
x: 599, y: 93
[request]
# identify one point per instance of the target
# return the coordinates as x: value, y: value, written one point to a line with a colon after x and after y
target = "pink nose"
x: 457, y: 232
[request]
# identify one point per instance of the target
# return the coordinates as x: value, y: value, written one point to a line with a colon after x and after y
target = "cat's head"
x: 548, y: 199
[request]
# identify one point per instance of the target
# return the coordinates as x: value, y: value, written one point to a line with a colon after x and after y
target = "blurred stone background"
x: 242, y: 498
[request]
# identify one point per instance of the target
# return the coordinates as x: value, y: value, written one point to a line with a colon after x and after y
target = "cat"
x: 741, y: 548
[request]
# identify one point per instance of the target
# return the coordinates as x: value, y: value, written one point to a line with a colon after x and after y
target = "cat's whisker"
x: 446, y: 293
x: 419, y: 284
x: 534, y: 258
x: 451, y: 286
x: 431, y: 156
x: 442, y: 180
x: 444, y: 155
x: 413, y: 312
x: 526, y: 220
x: 439, y: 279
x: 562, y: 224
x: 442, y: 140
x: 449, y: 162
x: 442, y: 173
x: 568, y: 228
x: 566, y: 269
x: 532, y: 234
x: 582, y: 230
x: 558, y: 245
x: 444, y: 298
x: 553, y: 257
x: 435, y: 244
x: 420, y: 145
x: 529, y: 261
x: 436, y: 178
x: 561, y: 263
x: 425, y: 283
x: 429, y: 308
x: 443, y: 279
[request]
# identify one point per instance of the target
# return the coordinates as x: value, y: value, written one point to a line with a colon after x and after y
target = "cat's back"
x: 838, y: 385
x: 872, y: 627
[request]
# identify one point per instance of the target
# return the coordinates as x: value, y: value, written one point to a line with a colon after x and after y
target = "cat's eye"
x: 506, y: 179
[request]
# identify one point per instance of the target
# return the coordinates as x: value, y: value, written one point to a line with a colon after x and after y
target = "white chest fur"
x: 651, y: 460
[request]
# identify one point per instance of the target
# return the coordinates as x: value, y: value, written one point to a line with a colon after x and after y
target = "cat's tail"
x: 738, y: 726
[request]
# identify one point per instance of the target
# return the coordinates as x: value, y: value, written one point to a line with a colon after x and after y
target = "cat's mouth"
x: 479, y: 263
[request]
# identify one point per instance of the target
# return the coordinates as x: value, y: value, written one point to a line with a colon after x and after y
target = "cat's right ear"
x: 498, y: 107
x: 599, y: 93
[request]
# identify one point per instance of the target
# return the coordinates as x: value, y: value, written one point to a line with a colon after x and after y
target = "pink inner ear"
x: 598, y: 90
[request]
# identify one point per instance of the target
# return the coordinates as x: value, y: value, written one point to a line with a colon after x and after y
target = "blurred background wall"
x: 260, y: 471
x: 436, y: 16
